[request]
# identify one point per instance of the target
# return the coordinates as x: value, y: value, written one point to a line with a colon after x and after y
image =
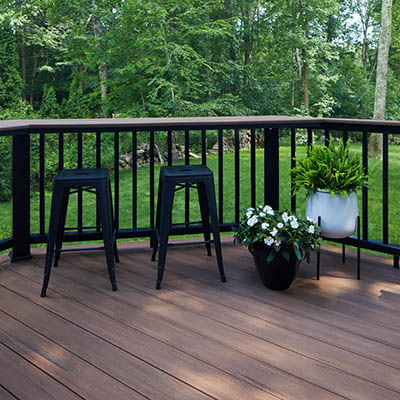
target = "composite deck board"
x: 198, y: 337
x: 59, y: 363
x: 169, y: 359
x: 225, y: 323
x: 295, y: 300
x: 26, y: 381
x: 199, y: 346
x: 5, y: 395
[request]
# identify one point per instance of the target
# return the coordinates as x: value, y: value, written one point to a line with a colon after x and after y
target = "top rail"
x: 14, y: 127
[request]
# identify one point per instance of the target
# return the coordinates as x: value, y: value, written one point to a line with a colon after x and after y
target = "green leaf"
x: 270, y: 257
x: 286, y: 255
x: 298, y: 253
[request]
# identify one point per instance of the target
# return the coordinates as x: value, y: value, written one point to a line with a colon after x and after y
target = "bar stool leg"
x: 116, y: 256
x: 205, y: 215
x: 155, y: 237
x: 56, y: 204
x: 167, y: 199
x: 107, y: 229
x: 61, y: 226
x: 212, y: 206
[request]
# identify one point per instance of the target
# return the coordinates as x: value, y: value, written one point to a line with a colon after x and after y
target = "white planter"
x: 338, y: 214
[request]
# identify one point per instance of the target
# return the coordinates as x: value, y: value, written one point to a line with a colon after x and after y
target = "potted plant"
x: 331, y: 175
x: 278, y: 241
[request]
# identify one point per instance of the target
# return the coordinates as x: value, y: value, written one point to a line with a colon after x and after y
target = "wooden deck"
x: 198, y: 338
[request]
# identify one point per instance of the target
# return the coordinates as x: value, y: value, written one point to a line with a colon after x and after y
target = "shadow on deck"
x: 198, y: 338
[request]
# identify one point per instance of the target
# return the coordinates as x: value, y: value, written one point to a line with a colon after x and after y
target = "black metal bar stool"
x: 172, y: 179
x: 94, y: 180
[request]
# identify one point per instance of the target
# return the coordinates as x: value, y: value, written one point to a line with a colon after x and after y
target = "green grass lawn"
x: 125, y: 209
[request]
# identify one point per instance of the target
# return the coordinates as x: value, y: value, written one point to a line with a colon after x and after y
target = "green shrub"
x: 329, y: 168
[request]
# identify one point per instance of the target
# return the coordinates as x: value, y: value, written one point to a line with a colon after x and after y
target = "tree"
x: 49, y: 107
x: 375, y: 148
x: 10, y: 79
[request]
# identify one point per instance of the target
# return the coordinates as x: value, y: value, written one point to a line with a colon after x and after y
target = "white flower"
x: 267, y: 208
x: 262, y: 214
x: 249, y: 212
x: 252, y: 221
x: 291, y: 217
x: 260, y: 207
x: 280, y: 225
x: 269, y: 241
x: 310, y: 220
x: 274, y: 232
x: 294, y: 224
x: 277, y: 242
x: 270, y: 212
x: 311, y: 229
x: 285, y: 217
x: 264, y: 226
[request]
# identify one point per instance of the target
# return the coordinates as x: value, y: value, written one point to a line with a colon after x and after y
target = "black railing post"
x: 21, y: 198
x: 271, y: 167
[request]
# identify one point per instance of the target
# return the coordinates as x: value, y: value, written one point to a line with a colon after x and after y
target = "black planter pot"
x: 279, y: 273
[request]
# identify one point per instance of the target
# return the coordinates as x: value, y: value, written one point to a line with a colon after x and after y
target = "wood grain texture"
x: 198, y: 337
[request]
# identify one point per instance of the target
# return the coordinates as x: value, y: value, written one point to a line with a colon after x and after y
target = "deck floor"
x: 198, y: 338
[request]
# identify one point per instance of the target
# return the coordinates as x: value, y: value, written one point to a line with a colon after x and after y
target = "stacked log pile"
x: 143, y: 155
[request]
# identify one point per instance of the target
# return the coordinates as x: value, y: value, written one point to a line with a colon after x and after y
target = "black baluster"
x: 385, y: 188
x: 220, y: 177
x: 292, y: 165
x: 253, y: 167
x: 237, y: 177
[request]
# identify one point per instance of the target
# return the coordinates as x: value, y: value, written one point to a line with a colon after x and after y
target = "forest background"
x: 150, y: 58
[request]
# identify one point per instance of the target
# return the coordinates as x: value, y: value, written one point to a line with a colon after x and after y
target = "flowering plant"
x: 281, y: 232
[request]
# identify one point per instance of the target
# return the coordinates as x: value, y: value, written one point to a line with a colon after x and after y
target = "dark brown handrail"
x: 19, y: 126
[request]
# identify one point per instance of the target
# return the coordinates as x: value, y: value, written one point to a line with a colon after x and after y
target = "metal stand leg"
x: 205, y: 215
x: 167, y: 197
x: 108, y: 230
x: 56, y: 205
x: 343, y: 253
x: 212, y: 206
x: 154, y: 238
x: 358, y: 247
x: 61, y: 226
x: 319, y: 253
x: 396, y: 262
x: 116, y: 256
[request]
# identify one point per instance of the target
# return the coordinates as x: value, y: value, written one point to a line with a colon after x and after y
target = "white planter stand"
x: 338, y: 214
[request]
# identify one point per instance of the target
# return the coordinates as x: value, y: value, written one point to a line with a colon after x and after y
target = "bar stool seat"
x: 173, y: 178
x: 93, y: 180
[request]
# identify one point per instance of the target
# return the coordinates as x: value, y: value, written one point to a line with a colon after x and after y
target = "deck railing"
x: 270, y: 128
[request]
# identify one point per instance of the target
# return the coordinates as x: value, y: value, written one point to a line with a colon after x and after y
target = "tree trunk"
x: 305, y: 83
x: 375, y: 147
x: 23, y: 68
x: 246, y: 42
x: 102, y: 67
x: 293, y: 80
x: 33, y: 75
x: 364, y: 49
x: 304, y: 55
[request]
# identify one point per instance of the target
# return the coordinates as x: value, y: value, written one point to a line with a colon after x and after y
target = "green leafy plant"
x: 330, y: 168
x: 281, y: 232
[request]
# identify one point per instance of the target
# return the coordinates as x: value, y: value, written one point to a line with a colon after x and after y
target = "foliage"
x: 10, y: 79
x: 331, y: 168
x: 49, y: 107
x: 279, y: 231
x: 194, y: 58
x: 5, y: 168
